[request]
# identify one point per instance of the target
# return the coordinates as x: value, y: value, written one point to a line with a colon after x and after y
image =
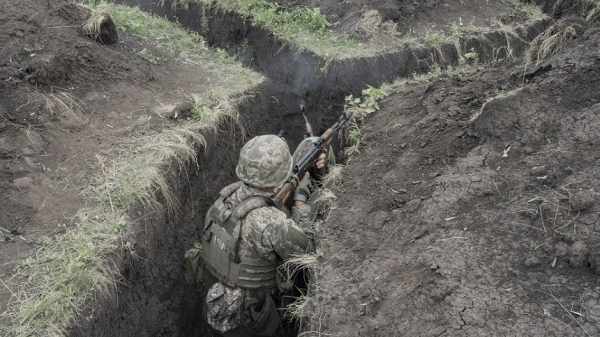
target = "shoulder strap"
x: 221, y: 211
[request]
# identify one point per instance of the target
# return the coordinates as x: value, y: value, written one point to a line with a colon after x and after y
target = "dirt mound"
x: 66, y: 101
x: 473, y: 207
x: 59, y: 106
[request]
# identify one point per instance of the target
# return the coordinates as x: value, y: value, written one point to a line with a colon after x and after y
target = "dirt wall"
x: 153, y: 298
x: 303, y: 75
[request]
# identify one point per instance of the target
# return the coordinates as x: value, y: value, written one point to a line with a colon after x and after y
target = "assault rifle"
x: 309, y: 131
x: 308, y: 161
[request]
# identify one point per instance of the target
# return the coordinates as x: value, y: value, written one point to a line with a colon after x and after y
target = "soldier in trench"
x: 246, y: 238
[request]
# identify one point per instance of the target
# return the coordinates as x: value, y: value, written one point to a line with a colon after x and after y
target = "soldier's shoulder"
x: 267, y: 214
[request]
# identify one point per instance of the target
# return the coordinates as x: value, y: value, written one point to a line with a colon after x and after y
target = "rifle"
x: 308, y: 161
x: 309, y: 131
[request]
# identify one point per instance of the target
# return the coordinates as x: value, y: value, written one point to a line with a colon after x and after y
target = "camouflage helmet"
x: 265, y: 161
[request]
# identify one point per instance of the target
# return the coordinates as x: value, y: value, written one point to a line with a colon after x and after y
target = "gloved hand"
x: 302, y: 191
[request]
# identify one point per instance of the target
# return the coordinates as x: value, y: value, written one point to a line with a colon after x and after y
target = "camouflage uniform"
x: 266, y: 233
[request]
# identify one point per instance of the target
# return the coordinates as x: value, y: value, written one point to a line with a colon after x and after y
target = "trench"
x: 154, y: 299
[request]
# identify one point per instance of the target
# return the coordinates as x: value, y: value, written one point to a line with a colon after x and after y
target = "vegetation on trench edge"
x: 303, y: 28
x: 57, y: 284
x: 308, y: 29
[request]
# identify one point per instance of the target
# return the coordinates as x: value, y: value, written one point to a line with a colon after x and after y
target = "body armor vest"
x: 221, y: 238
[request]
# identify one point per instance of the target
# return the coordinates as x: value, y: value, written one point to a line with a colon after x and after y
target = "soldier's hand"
x: 321, y: 160
x: 302, y: 192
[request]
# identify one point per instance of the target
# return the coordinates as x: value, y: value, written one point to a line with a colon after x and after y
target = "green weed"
x: 470, y: 57
x: 302, y: 28
x: 434, y: 37
x: 200, y: 108
x: 148, y: 56
x: 366, y: 104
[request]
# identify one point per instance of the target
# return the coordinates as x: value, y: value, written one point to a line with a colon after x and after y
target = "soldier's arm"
x: 283, y: 235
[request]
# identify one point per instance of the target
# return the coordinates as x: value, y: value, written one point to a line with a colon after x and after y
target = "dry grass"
x: 372, y: 28
x: 92, y: 26
x: 300, y: 308
x: 333, y: 179
x: 500, y: 96
x: 100, y: 27
x: 68, y: 274
x: 551, y: 41
x: 69, y: 271
x: 66, y: 104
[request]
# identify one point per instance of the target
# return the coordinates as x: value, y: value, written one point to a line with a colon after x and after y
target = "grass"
x: 60, y: 282
x: 533, y: 11
x: 183, y: 45
x: 65, y: 104
x: 303, y: 28
x: 503, y: 95
x: 307, y: 29
x: 589, y: 9
x: 70, y: 270
x: 333, y: 179
x: 434, y: 42
x: 93, y: 25
x: 148, y: 56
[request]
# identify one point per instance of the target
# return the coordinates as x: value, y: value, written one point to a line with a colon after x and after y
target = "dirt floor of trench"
x: 445, y: 223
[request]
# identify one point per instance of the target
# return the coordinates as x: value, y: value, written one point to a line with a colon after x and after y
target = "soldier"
x: 246, y: 239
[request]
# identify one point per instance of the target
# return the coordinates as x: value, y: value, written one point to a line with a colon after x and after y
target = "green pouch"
x: 193, y: 264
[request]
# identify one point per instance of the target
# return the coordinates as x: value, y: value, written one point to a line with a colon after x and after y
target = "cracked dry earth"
x: 450, y: 227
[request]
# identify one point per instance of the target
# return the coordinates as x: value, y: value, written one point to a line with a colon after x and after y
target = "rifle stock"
x: 307, y: 161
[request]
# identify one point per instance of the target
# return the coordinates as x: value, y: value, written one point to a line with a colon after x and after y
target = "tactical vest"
x: 221, y: 238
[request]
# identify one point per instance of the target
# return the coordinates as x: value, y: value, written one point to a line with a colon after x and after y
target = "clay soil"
x: 472, y: 209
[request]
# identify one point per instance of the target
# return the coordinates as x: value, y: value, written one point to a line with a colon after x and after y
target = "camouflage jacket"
x: 264, y: 233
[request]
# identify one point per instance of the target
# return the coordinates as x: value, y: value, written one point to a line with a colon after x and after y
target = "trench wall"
x: 323, y: 84
x: 154, y: 299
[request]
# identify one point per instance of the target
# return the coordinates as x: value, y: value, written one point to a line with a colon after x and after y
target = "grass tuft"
x: 552, y: 40
x: 66, y: 104
x: 333, y: 179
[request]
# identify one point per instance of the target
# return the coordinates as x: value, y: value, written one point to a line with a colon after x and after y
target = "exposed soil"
x: 489, y: 228
x: 445, y: 224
